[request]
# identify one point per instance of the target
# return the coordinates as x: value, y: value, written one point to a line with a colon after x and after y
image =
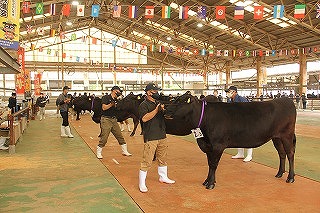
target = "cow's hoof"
x: 290, y: 180
x: 77, y: 119
x: 279, y: 175
x: 205, y: 183
x: 210, y: 186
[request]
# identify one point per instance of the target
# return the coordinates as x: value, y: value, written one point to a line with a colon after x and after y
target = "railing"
x: 11, y: 119
x: 312, y: 103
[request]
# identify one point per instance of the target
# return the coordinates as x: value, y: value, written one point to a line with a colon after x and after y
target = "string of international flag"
x: 149, y: 11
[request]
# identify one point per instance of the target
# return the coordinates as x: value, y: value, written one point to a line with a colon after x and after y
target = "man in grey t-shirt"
x: 63, y: 102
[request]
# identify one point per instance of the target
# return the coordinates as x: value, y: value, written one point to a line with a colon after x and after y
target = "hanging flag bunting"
x: 315, y: 49
x: 260, y: 53
x: 77, y: 59
x: 203, y: 52
x: 152, y: 48
x: 149, y: 12
x: 240, y: 53
x: 48, y: 51
x: 183, y: 12
x: 273, y: 52
x: 220, y: 12
x: 267, y: 53
x: 170, y: 50
x: 299, y: 11
x: 40, y: 31
x: 95, y: 10
x: 52, y: 9
x: 166, y: 11
x: 80, y: 10
x: 258, y: 12
x: 124, y: 44
x: 226, y: 53
x: 234, y: 53
x: 62, y: 35
x: 83, y: 39
x: 133, y: 11
x: 33, y: 46
x: 26, y: 7
x: 211, y: 52
x: 66, y: 10
x: 116, y: 11
x: 73, y: 37
x: 133, y: 45
x: 247, y: 53
x: 29, y: 28
x: 39, y: 8
x: 94, y: 40
x: 161, y: 49
x: 40, y: 49
x: 114, y: 42
x: 202, y: 12
x: 64, y: 55
x: 303, y: 50
x: 280, y: 52
x: 179, y: 51
x: 52, y: 32
x: 254, y: 53
x: 218, y: 53
x: 239, y: 12
x: 318, y: 11
x: 278, y: 11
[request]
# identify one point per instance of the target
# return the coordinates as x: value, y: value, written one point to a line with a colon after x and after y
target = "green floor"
x: 50, y: 174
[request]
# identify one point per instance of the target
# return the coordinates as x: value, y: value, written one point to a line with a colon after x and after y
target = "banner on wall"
x: 20, y: 79
x: 27, y: 84
x: 9, y: 24
x: 37, y: 83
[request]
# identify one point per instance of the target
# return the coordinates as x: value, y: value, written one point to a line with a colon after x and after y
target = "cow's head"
x: 181, y: 107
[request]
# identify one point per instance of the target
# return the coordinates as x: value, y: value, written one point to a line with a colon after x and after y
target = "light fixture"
x: 169, y: 38
x: 69, y: 23
x: 75, y: 3
x: 199, y: 25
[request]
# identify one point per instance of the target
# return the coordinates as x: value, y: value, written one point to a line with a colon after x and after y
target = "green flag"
x: 39, y: 8
x: 73, y: 37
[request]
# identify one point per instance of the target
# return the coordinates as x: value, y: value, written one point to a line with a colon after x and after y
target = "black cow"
x: 82, y: 103
x: 126, y: 108
x: 239, y: 125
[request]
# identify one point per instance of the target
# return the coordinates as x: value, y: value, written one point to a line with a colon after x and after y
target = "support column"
x: 228, y: 75
x: 205, y: 78
x: 261, y: 76
x: 302, y: 73
x: 220, y: 81
x: 114, y: 66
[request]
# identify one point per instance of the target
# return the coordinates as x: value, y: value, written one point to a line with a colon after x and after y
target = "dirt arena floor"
x: 241, y: 187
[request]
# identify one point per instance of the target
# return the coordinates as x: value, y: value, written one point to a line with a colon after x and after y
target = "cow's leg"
x: 206, y: 148
x: 214, y: 158
x: 206, y: 181
x: 277, y: 143
x: 289, y: 142
x: 78, y: 115
x: 135, y: 122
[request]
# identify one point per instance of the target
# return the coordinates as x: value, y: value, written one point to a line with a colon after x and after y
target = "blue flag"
x: 203, y: 52
x: 77, y: 59
x: 95, y: 10
x: 278, y: 11
x: 273, y: 53
x: 202, y: 12
x: 114, y: 43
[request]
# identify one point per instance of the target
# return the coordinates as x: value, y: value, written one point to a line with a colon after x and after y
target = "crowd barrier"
x: 17, y: 124
x: 312, y: 103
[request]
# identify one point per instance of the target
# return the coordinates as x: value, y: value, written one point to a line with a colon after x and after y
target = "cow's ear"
x: 189, y: 100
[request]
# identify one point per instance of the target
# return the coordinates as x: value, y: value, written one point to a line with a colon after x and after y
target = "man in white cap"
x: 108, y: 122
x: 154, y: 135
x: 233, y: 96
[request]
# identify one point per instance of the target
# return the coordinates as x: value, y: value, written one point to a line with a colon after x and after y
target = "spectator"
x: 13, y: 102
x: 63, y: 102
x: 41, y: 103
x: 304, y: 101
x: 298, y: 101
x: 291, y: 95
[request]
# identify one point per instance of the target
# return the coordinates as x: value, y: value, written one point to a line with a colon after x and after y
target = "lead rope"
x: 202, y: 112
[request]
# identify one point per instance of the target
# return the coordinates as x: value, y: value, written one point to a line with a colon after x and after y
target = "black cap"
x: 232, y: 88
x: 66, y: 87
x: 151, y: 86
x: 116, y: 87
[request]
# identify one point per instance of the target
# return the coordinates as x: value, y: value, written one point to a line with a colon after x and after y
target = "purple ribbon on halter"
x: 92, y: 103
x: 202, y: 112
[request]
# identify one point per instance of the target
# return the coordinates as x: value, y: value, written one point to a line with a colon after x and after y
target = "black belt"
x: 111, y: 117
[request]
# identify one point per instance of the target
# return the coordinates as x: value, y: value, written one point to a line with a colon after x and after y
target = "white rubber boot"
x: 68, y: 132
x: 142, y: 181
x: 99, y: 152
x: 128, y: 126
x: 125, y: 150
x: 249, y: 155
x: 240, y: 154
x: 122, y: 127
x: 163, y: 172
x: 63, y: 131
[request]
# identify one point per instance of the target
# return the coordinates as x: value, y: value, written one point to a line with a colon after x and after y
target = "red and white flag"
x: 116, y: 11
x: 66, y: 10
x: 26, y: 7
x: 149, y: 13
x: 220, y: 12
x: 258, y: 12
x: 52, y: 9
x: 80, y: 10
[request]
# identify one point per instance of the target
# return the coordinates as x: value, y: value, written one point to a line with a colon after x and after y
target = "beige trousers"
x: 108, y: 125
x: 159, y: 147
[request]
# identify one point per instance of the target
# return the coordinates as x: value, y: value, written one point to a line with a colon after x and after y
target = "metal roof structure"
x: 266, y: 34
